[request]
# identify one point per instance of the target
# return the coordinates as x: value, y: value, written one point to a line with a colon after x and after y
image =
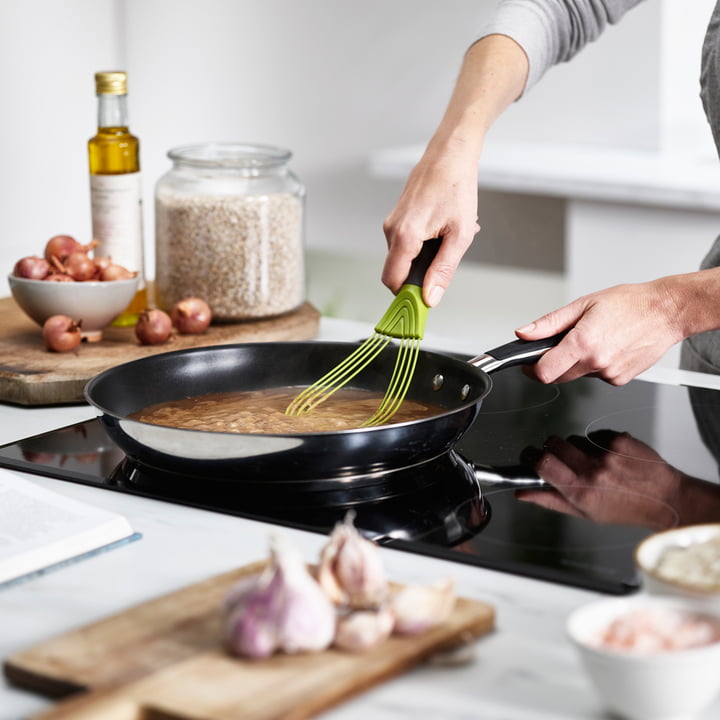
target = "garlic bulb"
x: 361, y: 629
x: 282, y: 609
x: 419, y: 607
x: 350, y: 569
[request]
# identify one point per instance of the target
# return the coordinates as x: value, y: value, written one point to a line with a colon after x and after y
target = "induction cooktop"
x: 617, y: 464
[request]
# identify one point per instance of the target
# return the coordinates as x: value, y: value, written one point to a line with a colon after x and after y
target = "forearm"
x: 492, y: 77
x: 440, y: 196
x: 693, y: 301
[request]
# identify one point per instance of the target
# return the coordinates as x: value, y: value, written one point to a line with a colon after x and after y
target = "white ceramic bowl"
x: 669, y: 685
x: 650, y: 550
x: 97, y: 304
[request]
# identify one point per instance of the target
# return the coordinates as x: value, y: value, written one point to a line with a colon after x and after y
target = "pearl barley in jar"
x: 229, y: 229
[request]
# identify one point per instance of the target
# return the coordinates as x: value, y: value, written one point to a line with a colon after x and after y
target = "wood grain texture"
x: 164, y: 660
x: 30, y: 375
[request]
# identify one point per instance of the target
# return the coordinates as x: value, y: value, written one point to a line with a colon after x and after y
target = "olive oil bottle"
x: 115, y: 187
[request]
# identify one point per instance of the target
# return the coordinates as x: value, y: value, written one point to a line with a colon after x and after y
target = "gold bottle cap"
x: 111, y: 83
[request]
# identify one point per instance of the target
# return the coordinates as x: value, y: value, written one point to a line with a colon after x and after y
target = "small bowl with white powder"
x: 683, y: 562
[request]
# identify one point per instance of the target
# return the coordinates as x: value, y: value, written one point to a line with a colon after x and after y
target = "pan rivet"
x: 438, y: 381
x: 465, y: 392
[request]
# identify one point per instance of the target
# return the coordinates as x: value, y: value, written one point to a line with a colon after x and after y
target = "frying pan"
x: 346, y: 456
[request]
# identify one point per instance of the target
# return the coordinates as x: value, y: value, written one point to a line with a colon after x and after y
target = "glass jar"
x: 229, y: 227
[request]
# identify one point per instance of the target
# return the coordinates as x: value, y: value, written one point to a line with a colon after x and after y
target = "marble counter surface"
x: 525, y: 670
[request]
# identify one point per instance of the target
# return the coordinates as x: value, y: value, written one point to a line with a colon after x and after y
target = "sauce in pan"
x: 263, y: 411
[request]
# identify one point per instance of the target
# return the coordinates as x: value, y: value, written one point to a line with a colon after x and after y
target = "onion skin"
x: 191, y: 315
x: 153, y: 327
x: 79, y: 266
x: 59, y: 277
x: 61, y: 333
x: 101, y: 263
x: 32, y: 268
x: 61, y: 246
x: 115, y: 272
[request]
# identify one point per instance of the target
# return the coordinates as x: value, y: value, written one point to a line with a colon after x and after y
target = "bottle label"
x: 116, y: 204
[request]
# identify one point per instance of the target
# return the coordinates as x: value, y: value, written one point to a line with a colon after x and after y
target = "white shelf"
x: 583, y: 173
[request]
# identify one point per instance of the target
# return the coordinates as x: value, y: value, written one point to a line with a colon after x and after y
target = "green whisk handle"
x: 422, y: 262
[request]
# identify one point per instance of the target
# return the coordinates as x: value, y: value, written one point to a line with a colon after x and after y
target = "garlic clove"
x: 419, y: 607
x: 306, y: 622
x: 361, y: 629
x: 238, y: 592
x: 250, y: 622
x: 350, y: 569
x: 248, y: 636
x: 283, y: 608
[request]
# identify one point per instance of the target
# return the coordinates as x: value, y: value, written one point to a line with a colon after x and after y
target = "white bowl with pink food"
x: 683, y: 562
x: 649, y: 657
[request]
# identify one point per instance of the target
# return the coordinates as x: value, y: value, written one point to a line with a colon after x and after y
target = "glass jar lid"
x: 241, y: 156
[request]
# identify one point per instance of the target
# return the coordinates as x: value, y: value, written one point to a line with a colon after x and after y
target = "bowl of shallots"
x: 68, y: 280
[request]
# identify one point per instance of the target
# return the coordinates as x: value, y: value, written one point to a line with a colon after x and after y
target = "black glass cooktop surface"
x: 617, y: 465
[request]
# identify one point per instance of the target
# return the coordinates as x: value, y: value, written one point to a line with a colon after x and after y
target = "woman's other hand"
x: 614, y: 334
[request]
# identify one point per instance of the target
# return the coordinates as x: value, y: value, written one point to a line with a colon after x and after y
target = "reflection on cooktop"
x: 616, y: 463
x: 439, y: 499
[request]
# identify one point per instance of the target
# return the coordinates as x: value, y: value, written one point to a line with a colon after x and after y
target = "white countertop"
x: 524, y: 670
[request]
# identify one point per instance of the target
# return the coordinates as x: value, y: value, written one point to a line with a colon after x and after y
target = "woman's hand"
x: 440, y: 196
x: 439, y: 200
x: 614, y: 334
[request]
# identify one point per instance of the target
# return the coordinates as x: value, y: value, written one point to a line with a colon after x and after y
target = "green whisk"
x: 404, y: 320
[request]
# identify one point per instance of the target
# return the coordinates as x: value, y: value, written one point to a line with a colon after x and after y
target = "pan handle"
x: 512, y: 476
x: 517, y: 352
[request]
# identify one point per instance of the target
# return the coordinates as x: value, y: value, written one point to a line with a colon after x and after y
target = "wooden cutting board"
x: 30, y: 375
x: 162, y: 660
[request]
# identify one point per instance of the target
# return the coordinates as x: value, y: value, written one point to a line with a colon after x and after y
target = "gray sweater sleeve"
x: 553, y: 31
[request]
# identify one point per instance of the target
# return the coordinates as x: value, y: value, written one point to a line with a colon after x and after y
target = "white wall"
x: 332, y: 80
x: 48, y: 53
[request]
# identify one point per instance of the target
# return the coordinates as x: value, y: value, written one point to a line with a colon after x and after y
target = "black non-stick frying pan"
x: 347, y: 456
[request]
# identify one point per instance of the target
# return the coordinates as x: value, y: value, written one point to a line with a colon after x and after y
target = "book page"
x: 39, y: 527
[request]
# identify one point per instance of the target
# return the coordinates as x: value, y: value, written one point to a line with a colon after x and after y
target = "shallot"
x: 32, y: 267
x: 61, y: 333
x: 67, y: 259
x: 101, y: 262
x: 61, y: 246
x: 282, y: 609
x: 59, y: 277
x: 191, y: 315
x: 153, y: 327
x: 116, y: 272
x: 79, y: 266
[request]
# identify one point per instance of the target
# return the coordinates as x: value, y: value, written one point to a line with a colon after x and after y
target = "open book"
x: 41, y: 529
